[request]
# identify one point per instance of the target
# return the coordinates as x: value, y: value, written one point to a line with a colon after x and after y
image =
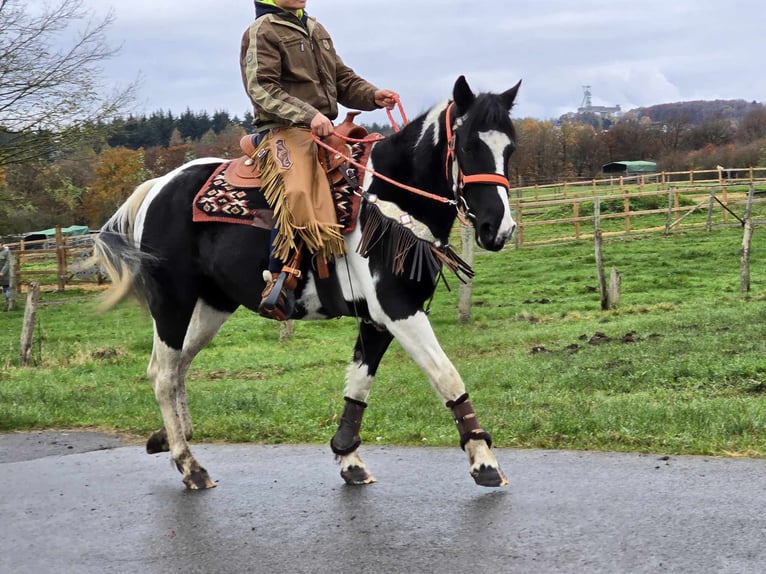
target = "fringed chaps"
x: 297, y: 189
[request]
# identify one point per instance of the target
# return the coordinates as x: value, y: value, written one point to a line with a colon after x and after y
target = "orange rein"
x: 377, y: 138
x: 374, y: 173
x: 463, y: 179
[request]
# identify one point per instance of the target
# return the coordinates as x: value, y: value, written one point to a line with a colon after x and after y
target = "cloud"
x: 630, y: 54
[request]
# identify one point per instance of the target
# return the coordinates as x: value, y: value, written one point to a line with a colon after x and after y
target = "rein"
x: 452, y: 169
x: 391, y: 119
x: 374, y: 173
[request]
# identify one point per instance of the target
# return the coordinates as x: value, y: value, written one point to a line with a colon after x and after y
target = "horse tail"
x: 114, y: 250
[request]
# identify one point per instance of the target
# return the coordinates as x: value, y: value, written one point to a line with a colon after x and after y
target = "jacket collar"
x: 263, y: 7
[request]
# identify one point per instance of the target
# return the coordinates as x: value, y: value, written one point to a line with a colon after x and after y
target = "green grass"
x: 684, y: 370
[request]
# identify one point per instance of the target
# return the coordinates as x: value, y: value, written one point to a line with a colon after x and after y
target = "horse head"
x: 481, y: 139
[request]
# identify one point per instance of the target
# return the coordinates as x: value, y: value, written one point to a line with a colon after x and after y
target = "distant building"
x: 600, y: 117
x: 587, y: 107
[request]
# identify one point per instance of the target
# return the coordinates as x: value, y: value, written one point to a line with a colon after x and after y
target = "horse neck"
x: 415, y: 156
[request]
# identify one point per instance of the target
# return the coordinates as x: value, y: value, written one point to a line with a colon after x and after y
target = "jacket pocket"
x: 297, y: 60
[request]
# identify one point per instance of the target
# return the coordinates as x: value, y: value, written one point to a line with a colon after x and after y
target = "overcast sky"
x: 630, y: 53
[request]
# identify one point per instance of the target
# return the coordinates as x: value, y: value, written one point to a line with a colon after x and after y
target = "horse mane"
x: 488, y: 110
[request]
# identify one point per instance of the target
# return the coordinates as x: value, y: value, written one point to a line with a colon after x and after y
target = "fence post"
x: 60, y: 259
x: 626, y: 209
x: 599, y: 255
x: 576, y: 212
x: 669, y: 217
x: 12, y: 283
x: 747, y: 236
x: 28, y: 327
x: 711, y: 204
x: 465, y: 290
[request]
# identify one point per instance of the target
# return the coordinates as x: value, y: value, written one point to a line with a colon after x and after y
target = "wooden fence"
x: 54, y: 261
x: 636, y: 204
x: 545, y: 214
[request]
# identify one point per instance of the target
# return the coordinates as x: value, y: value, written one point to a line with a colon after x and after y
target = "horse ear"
x: 509, y: 96
x: 462, y: 95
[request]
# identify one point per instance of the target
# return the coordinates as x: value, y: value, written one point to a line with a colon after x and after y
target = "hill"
x: 695, y: 112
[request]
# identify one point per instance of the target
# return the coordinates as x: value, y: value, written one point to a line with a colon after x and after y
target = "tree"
x: 117, y: 172
x: 50, y: 84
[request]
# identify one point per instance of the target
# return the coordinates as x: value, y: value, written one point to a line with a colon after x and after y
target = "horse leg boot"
x: 371, y: 344
x: 347, y: 440
x: 476, y: 439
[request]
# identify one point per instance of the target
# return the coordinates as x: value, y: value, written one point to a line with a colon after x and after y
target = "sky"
x: 632, y: 54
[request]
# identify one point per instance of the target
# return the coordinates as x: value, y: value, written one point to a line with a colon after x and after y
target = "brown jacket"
x: 291, y: 73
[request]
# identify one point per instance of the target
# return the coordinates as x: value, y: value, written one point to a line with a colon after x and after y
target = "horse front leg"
x: 416, y: 336
x: 371, y: 345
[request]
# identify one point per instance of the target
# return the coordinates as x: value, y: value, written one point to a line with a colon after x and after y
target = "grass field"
x: 678, y: 367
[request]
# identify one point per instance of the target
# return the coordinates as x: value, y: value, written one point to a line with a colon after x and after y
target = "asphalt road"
x: 73, y: 503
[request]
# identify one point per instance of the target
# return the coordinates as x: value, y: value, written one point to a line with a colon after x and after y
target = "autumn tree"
x: 51, y: 92
x: 117, y: 173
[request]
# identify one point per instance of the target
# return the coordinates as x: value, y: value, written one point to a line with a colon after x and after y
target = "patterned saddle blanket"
x: 228, y: 198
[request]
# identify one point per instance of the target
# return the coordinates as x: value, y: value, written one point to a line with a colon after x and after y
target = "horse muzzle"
x: 492, y: 239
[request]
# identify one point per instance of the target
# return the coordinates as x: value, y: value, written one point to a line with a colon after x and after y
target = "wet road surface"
x: 81, y: 506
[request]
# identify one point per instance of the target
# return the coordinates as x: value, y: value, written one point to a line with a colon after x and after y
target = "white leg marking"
x: 164, y: 372
x: 416, y: 336
x: 204, y: 324
x: 358, y: 382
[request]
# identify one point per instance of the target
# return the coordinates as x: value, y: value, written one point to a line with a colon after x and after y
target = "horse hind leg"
x: 370, y: 347
x: 167, y: 371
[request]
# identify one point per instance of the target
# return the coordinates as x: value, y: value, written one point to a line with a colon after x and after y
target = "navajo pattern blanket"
x: 221, y: 202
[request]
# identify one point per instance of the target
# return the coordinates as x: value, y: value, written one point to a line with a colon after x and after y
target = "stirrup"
x: 277, y: 300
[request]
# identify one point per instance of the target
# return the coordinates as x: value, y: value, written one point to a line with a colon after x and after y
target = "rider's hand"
x: 386, y: 98
x: 321, y: 125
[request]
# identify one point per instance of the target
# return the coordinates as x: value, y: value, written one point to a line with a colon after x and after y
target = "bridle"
x: 453, y: 171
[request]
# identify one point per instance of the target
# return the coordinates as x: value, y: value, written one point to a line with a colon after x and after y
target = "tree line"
x: 69, y: 154
x: 574, y: 148
x: 86, y: 183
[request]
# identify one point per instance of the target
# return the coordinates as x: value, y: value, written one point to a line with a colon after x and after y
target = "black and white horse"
x: 193, y: 276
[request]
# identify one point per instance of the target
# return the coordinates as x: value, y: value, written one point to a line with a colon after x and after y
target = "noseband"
x: 454, y: 172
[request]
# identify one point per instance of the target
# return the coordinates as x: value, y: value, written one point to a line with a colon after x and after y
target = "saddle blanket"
x: 219, y: 201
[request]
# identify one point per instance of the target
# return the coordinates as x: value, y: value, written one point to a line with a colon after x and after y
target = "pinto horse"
x: 450, y: 161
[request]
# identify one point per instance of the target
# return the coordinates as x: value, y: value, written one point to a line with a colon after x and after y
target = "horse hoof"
x: 357, y: 475
x: 488, y: 476
x: 158, y: 442
x: 199, y: 480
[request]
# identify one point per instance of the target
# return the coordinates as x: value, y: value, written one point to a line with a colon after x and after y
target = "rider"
x: 295, y: 80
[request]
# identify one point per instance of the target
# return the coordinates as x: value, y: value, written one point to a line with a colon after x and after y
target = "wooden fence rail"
x: 633, y: 209
x: 554, y: 213
x: 53, y: 261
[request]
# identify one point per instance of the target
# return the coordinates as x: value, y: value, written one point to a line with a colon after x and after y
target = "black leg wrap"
x: 347, y: 439
x: 477, y: 435
x: 466, y: 421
